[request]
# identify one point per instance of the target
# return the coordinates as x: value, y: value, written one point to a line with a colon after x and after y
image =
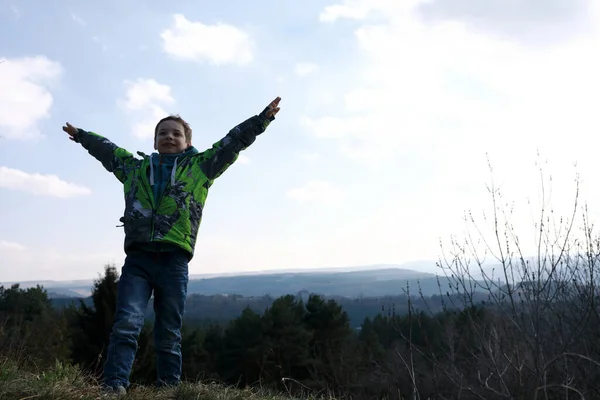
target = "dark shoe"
x: 114, y: 391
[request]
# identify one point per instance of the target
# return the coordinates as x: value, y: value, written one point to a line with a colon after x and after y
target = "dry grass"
x: 66, y: 382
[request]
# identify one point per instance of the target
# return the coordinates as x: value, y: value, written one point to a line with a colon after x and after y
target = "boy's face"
x: 170, y: 138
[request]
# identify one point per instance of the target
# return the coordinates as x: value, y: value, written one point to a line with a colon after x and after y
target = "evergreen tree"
x: 195, y: 357
x: 91, y: 328
x: 330, y: 327
x: 242, y: 356
x: 288, y: 340
x: 31, y: 331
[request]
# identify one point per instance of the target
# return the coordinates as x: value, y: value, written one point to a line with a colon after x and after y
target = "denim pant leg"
x: 132, y: 300
x: 169, y: 305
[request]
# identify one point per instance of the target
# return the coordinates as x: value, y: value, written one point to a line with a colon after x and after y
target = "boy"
x: 164, y: 197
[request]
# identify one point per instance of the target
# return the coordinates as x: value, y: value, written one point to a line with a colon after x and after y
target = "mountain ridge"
x: 266, y: 282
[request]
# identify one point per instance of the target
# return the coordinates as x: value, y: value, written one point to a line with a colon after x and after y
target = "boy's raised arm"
x: 224, y: 153
x: 114, y: 158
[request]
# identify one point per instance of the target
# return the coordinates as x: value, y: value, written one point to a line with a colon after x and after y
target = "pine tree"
x: 243, y: 351
x: 91, y: 328
x: 288, y: 354
x: 31, y: 330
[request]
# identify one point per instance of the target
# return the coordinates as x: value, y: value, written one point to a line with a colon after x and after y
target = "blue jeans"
x: 165, y: 273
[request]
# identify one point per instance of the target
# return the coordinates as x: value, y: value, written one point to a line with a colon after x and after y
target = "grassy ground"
x: 66, y: 382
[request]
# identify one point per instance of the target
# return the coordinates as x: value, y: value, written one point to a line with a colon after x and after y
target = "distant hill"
x: 76, y: 288
x: 362, y: 293
x: 365, y: 283
x: 59, y: 293
x: 355, y: 281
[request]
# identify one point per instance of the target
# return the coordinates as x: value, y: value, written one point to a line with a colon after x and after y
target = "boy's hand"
x: 272, y: 109
x: 71, y: 130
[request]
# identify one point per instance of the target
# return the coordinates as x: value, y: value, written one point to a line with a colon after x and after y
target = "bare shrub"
x: 516, y: 325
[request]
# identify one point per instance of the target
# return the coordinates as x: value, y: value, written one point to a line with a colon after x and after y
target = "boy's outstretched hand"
x: 272, y: 109
x: 71, y: 130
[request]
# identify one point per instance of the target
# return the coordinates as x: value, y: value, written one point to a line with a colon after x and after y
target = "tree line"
x: 204, y: 310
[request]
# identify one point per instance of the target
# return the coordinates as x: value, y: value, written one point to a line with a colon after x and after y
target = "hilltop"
x: 358, y: 281
x: 66, y: 382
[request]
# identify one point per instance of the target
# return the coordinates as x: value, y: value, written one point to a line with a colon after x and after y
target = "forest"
x: 204, y: 310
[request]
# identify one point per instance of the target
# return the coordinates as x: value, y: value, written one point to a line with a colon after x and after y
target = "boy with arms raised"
x: 165, y: 193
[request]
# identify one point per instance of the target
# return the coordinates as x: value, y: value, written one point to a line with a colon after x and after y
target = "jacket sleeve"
x: 225, y: 152
x: 114, y: 158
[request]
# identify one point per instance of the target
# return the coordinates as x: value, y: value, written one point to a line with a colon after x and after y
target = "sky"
x: 390, y: 113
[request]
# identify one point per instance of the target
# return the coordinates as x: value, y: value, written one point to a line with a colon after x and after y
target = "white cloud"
x: 458, y: 91
x: 100, y: 42
x: 555, y: 21
x: 317, y: 192
x: 11, y: 246
x: 334, y: 12
x: 328, y: 127
x: 360, y: 10
x: 217, y: 44
x: 311, y: 157
x: 360, y: 137
x: 40, y: 185
x: 304, y: 69
x: 25, y: 82
x: 15, y: 11
x: 144, y: 93
x: 144, y: 101
x: 433, y: 96
x: 78, y: 20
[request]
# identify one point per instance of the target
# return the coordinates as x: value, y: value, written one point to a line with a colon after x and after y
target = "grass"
x: 67, y: 382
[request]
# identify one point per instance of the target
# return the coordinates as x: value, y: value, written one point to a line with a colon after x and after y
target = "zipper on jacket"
x: 145, y: 184
x: 153, y: 212
x: 156, y: 206
x: 167, y: 185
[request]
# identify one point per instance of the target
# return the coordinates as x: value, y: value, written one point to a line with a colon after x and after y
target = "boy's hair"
x: 187, y: 131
